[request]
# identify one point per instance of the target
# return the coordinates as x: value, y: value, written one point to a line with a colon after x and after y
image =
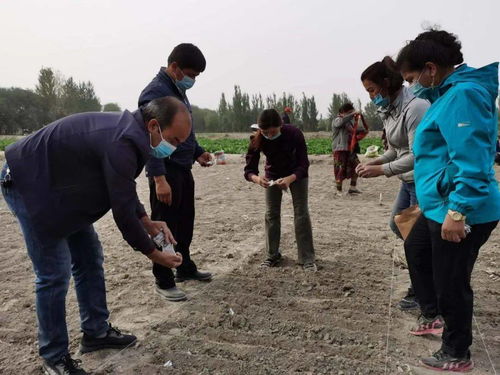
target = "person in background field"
x: 286, y: 116
x: 401, y: 112
x: 171, y: 182
x: 383, y: 138
x: 286, y: 169
x: 345, y: 160
x: 456, y: 188
x: 58, y: 182
x: 254, y: 128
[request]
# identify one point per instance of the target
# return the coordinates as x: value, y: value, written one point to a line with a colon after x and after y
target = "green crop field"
x: 315, y: 146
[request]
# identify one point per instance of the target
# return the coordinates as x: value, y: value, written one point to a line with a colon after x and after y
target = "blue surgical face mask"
x: 271, y: 138
x: 380, y: 101
x: 185, y: 83
x: 429, y: 93
x: 163, y: 150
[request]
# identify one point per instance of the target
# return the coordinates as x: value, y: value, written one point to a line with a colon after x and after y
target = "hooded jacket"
x: 401, y: 119
x: 454, y: 148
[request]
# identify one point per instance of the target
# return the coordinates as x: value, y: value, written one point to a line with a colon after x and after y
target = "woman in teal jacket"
x: 456, y: 188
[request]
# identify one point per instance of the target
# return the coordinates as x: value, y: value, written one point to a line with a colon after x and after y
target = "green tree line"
x: 237, y: 113
x: 24, y: 111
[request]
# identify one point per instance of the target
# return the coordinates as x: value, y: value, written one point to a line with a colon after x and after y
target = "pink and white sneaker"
x: 428, y: 326
x: 441, y: 361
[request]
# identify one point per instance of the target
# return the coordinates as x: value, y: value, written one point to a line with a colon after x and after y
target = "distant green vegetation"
x: 315, y: 146
x: 228, y: 145
x: 4, y: 142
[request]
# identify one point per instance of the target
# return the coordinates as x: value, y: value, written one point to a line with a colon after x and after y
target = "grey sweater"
x: 342, y: 128
x: 400, y: 121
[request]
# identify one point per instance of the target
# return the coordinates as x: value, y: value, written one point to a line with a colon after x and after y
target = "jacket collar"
x: 143, y: 143
x: 163, y: 76
x: 399, y: 105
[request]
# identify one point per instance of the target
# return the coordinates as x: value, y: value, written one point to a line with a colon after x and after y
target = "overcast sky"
x: 314, y: 46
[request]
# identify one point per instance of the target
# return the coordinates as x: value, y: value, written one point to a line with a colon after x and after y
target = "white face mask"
x: 271, y: 138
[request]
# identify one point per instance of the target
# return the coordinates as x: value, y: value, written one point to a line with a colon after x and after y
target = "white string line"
x: 389, y: 315
x: 244, y: 260
x: 484, y: 344
x: 174, y: 309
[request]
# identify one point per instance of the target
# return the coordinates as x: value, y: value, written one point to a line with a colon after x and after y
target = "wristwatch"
x: 456, y: 216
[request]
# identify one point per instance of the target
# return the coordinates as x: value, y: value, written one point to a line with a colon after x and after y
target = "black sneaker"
x: 353, y: 191
x: 65, y: 366
x: 114, y: 339
x: 409, y: 302
x: 200, y: 276
x: 441, y: 361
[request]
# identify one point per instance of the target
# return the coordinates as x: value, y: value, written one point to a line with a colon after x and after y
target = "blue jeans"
x: 406, y: 198
x: 79, y: 254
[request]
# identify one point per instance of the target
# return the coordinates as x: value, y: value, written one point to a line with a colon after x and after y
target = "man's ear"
x: 153, y: 125
x: 174, y: 65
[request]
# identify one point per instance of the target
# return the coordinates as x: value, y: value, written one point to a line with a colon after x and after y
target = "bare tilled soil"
x: 250, y: 320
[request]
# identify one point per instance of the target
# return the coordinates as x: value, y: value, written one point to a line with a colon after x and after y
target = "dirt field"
x: 250, y: 321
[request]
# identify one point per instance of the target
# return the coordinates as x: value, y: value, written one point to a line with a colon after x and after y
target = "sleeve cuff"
x: 199, y: 151
x: 148, y: 248
x: 248, y: 176
x: 459, y: 208
x: 387, y: 170
x: 141, y: 212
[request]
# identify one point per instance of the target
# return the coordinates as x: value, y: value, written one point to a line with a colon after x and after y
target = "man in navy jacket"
x: 171, y: 180
x: 58, y: 182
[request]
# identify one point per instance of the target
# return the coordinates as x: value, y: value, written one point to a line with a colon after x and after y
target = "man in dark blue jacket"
x: 170, y: 180
x: 58, y: 182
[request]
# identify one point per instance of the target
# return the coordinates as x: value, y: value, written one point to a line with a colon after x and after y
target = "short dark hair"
x: 346, y: 107
x: 437, y: 46
x: 163, y: 110
x: 188, y: 56
x: 269, y: 118
x: 384, y: 70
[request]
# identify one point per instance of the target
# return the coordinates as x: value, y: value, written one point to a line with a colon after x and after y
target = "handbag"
x: 406, y: 219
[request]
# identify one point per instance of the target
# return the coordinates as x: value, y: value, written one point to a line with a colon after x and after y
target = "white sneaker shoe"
x: 310, y: 267
x: 173, y: 294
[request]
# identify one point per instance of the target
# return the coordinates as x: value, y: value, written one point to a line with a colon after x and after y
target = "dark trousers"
x: 440, y: 272
x: 54, y: 262
x: 302, y: 221
x: 179, y: 218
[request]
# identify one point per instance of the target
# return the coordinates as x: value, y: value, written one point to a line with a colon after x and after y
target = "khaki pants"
x: 302, y: 221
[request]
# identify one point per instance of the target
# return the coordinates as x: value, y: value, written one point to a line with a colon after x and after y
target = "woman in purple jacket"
x: 286, y: 167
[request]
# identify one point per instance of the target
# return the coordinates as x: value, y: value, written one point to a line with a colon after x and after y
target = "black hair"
x: 268, y: 118
x: 437, y: 46
x: 346, y: 107
x: 163, y: 110
x: 384, y: 70
x: 188, y: 56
